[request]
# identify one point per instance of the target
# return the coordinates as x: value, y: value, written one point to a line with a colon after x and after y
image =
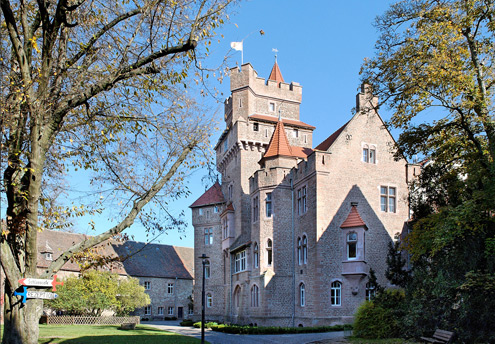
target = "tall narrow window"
x: 208, y: 236
x: 268, y: 205
x: 388, y: 198
x: 209, y: 300
x: 160, y: 310
x: 170, y: 310
x: 147, y: 310
x: 271, y: 107
x: 305, y: 249
x: 302, y: 294
x: 370, y: 291
x: 304, y: 208
x: 240, y: 261
x: 256, y: 209
x: 269, y: 253
x: 352, y: 245
x: 147, y: 285
x: 299, y: 251
x: 296, y: 133
x: 207, y: 269
x: 372, y: 156
x: 365, y: 154
x: 256, y: 126
x: 170, y: 288
x: 256, y: 255
x: 237, y: 296
x: 299, y: 201
x: 230, y: 192
x: 335, y: 293
x: 255, y: 295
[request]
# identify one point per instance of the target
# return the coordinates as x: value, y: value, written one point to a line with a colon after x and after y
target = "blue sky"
x: 321, y: 44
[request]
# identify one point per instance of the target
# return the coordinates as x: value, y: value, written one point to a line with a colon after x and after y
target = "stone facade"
x: 295, y: 230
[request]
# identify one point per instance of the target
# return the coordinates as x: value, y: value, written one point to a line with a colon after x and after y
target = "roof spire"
x: 275, y: 74
x: 275, y: 50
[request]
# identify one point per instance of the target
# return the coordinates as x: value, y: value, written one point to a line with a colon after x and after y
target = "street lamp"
x: 203, y: 258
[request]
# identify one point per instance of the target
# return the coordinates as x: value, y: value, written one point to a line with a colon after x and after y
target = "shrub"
x: 382, y: 317
x: 187, y: 322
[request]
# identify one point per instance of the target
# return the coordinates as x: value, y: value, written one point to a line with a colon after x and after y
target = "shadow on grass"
x: 124, y: 339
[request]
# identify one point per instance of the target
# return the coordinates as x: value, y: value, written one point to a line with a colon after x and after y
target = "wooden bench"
x: 440, y: 336
x: 128, y: 326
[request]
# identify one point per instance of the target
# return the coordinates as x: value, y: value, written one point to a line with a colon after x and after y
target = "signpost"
x: 33, y: 282
x: 35, y: 295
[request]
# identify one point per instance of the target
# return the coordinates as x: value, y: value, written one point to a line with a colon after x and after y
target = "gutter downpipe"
x: 293, y: 256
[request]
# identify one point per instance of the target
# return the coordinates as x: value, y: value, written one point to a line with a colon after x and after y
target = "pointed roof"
x: 276, y: 75
x: 353, y: 219
x: 279, y: 143
x: 213, y: 195
x: 331, y: 139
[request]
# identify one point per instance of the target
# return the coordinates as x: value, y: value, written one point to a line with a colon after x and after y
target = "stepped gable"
x: 213, y: 195
x: 276, y: 74
x: 289, y: 122
x: 331, y: 139
x: 353, y: 219
x: 279, y: 143
x: 155, y: 260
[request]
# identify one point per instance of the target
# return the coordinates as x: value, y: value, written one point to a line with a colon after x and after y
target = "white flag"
x: 236, y: 45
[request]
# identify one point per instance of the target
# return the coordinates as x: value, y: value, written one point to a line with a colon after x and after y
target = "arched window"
x: 305, y: 249
x: 256, y: 255
x: 335, y: 293
x: 352, y: 245
x: 255, y: 296
x: 269, y: 252
x: 207, y: 269
x: 299, y: 251
x: 370, y: 291
x: 209, y: 300
x: 302, y: 294
x: 237, y: 296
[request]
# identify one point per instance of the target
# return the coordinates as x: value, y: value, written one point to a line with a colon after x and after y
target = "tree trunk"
x: 21, y: 320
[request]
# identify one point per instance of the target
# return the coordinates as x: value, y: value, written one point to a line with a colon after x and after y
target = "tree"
x: 435, y: 62
x: 95, y: 291
x: 99, y: 86
x: 396, y: 271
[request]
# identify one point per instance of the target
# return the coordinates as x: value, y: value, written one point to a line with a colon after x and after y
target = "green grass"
x: 87, y: 334
x: 354, y: 340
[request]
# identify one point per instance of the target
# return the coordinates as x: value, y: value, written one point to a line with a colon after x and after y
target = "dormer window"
x: 48, y: 256
x: 352, y: 245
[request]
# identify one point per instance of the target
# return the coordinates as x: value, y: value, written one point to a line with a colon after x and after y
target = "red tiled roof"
x: 213, y: 195
x: 353, y: 219
x: 279, y: 143
x: 276, y: 75
x: 289, y: 122
x: 301, y: 152
x: 331, y: 139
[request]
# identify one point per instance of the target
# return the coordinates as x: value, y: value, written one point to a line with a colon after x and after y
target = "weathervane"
x: 275, y: 50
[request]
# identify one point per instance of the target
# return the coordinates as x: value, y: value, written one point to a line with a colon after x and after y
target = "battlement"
x: 246, y: 76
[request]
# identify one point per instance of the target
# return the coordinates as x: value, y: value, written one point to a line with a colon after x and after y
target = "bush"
x: 382, y: 317
x: 241, y: 329
x: 187, y: 322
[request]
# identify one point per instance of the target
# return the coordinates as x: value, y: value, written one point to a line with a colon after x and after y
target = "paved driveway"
x: 227, y: 338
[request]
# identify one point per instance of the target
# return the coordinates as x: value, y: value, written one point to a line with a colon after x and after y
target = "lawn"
x: 87, y: 334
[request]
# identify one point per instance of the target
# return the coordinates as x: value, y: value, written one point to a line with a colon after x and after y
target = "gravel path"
x: 227, y: 338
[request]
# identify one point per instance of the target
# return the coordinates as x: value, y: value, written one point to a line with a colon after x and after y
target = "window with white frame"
x: 207, y: 269
x: 209, y: 300
x: 372, y: 159
x: 256, y: 208
x: 305, y: 249
x: 301, y: 200
x: 147, y: 310
x: 366, y: 154
x: 208, y: 236
x: 255, y: 296
x: 48, y: 256
x: 240, y: 261
x: 215, y: 209
x: 269, y: 252
x: 256, y: 255
x: 170, y: 288
x: 170, y: 311
x: 296, y: 132
x: 299, y: 251
x: 147, y: 285
x: 302, y: 294
x: 160, y: 310
x: 388, y: 197
x: 268, y: 204
x: 271, y: 107
x: 370, y: 291
x: 369, y: 154
x: 351, y: 245
x: 336, y: 293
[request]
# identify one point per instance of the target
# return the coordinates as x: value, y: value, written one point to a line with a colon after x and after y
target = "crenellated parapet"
x: 246, y: 76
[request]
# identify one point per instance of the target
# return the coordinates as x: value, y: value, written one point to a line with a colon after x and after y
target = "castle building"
x: 292, y: 231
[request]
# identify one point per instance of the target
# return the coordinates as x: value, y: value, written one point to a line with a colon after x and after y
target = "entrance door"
x: 180, y: 312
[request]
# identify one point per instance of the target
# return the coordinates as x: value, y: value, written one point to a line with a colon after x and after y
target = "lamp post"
x: 203, y: 258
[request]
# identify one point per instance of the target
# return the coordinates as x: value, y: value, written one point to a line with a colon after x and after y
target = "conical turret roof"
x: 276, y: 75
x: 279, y: 143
